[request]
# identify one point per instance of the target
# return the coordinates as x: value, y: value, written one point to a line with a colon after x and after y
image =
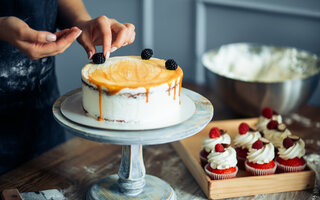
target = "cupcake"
x: 260, y: 158
x: 267, y: 114
x: 275, y: 133
x: 222, y: 163
x: 216, y: 136
x: 243, y: 142
x: 290, y: 156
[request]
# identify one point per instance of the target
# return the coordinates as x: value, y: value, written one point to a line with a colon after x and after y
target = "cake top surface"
x: 129, y: 72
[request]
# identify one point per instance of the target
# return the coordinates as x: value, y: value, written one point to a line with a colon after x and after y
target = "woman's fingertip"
x: 113, y: 49
x: 51, y: 38
x: 90, y: 55
x: 107, y: 54
x: 78, y: 34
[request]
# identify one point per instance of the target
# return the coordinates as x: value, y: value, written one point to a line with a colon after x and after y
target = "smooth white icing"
x: 223, y: 160
x: 261, y: 156
x: 297, y: 150
x: 209, y: 143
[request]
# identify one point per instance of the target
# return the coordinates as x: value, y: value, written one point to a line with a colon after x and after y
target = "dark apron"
x: 28, y: 88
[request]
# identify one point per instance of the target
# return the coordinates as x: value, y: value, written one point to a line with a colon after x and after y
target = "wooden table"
x: 75, y: 165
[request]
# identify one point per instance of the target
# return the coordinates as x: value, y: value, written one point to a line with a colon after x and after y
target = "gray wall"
x: 227, y: 21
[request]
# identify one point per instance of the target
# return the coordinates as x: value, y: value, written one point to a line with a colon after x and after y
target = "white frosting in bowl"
x: 260, y: 63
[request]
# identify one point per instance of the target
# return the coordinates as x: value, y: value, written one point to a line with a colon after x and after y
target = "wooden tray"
x: 188, y: 149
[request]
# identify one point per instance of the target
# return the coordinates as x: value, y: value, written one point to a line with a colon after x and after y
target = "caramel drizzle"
x: 169, y: 88
x: 180, y: 84
x: 100, y: 103
x: 147, y: 95
x: 175, y: 89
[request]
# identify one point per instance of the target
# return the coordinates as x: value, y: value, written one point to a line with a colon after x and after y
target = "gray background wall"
x: 173, y: 30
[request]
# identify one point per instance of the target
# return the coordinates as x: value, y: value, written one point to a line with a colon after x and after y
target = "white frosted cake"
x: 129, y: 89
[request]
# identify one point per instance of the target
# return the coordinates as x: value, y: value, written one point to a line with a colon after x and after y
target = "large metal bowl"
x: 249, y: 97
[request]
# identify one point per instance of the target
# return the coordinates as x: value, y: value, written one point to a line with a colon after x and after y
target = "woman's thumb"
x: 39, y: 36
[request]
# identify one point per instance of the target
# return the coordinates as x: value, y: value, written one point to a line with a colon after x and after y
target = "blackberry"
x: 171, y: 64
x: 98, y: 58
x: 146, y: 54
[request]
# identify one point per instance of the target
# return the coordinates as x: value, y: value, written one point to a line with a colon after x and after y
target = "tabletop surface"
x: 77, y: 164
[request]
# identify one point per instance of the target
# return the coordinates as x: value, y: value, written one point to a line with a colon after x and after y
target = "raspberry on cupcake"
x: 267, y: 114
x: 216, y: 136
x: 290, y: 155
x: 222, y: 162
x: 243, y: 142
x: 260, y: 158
x: 276, y: 132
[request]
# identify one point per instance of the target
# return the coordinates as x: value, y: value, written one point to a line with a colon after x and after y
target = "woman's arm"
x: 99, y: 31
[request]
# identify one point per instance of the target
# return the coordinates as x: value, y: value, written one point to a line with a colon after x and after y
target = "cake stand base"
x: 108, y: 188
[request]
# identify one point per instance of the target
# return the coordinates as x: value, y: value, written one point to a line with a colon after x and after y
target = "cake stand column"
x: 132, y: 171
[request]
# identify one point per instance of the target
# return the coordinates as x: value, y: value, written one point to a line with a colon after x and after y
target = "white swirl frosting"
x: 262, y: 123
x: 223, y: 160
x: 261, y: 156
x: 209, y: 143
x: 246, y: 140
x: 276, y: 137
x: 297, y: 150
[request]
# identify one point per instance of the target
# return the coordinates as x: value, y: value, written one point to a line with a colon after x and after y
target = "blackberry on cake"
x: 171, y: 64
x: 146, y: 54
x: 98, y: 58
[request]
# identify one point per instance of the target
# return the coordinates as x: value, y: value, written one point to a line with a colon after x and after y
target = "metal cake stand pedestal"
x: 131, y: 180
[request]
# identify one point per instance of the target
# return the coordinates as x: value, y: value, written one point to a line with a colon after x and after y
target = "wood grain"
x: 189, y: 149
x: 77, y: 164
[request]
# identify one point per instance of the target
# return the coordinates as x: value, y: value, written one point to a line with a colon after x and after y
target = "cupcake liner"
x: 259, y: 172
x: 215, y: 176
x: 203, y: 160
x: 284, y: 168
x: 241, y: 162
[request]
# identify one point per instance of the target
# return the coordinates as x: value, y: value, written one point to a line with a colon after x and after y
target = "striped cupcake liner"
x: 203, y: 160
x: 259, y: 172
x: 283, y: 168
x: 215, y: 176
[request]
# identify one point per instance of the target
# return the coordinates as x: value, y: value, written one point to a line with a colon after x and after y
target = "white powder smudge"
x: 21, y: 71
x: 314, y: 162
x: 90, y: 170
x: 304, y: 121
x: 4, y: 74
x: 31, y: 69
x: 43, y: 60
x: 288, y: 121
x: 309, y: 141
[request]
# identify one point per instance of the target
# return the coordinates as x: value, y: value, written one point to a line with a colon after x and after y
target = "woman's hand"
x: 36, y: 44
x: 107, y: 32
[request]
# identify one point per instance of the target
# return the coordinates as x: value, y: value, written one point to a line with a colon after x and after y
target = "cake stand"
x: 131, y: 182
